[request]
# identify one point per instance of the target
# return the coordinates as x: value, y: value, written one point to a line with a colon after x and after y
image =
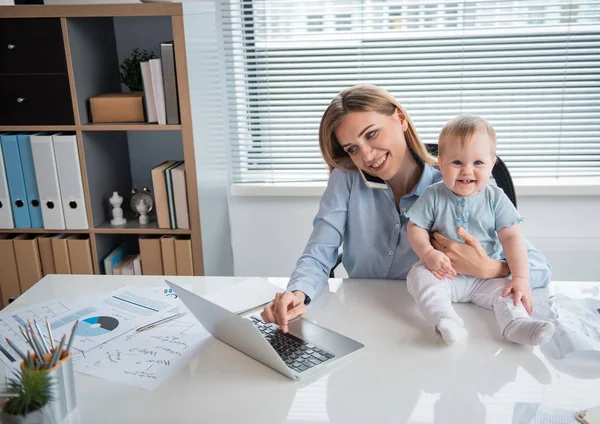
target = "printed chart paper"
x: 11, y: 321
x: 146, y: 359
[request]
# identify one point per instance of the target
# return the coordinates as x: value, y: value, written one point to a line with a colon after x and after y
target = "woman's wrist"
x: 495, y: 269
x: 300, y: 295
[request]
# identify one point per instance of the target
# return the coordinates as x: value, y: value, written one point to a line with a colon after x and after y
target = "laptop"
x: 305, y: 350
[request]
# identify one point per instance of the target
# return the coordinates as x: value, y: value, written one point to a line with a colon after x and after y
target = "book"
x: 149, y: 102
x: 113, y: 258
x: 180, y: 196
x: 159, y: 187
x: 167, y: 54
x: 170, y: 194
x: 158, y: 90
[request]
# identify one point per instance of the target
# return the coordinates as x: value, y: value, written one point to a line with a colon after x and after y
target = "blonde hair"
x: 363, y: 98
x: 462, y: 128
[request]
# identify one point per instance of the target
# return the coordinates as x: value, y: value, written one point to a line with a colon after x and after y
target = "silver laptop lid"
x: 232, y: 329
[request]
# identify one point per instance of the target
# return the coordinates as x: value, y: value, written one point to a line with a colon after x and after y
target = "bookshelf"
x: 116, y: 156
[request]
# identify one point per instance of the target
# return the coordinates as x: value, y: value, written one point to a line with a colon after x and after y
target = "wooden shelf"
x: 41, y: 231
x: 133, y: 227
x: 129, y: 127
x: 92, y: 10
x: 116, y: 156
x: 48, y: 128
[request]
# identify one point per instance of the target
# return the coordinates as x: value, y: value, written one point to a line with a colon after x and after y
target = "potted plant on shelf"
x: 131, y: 72
x: 124, y: 107
x: 31, y: 392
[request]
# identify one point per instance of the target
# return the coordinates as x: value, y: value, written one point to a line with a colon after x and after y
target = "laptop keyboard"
x: 296, y: 353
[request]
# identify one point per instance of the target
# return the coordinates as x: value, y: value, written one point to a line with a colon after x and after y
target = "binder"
x: 46, y: 176
x: 180, y: 194
x: 158, y: 90
x: 167, y: 248
x: 29, y: 265
x: 183, y: 256
x: 33, y: 197
x: 80, y: 254
x: 6, y: 217
x: 150, y: 252
x: 60, y: 251
x: 69, y: 180
x: 167, y: 56
x: 159, y: 186
x: 170, y: 194
x: 9, y: 276
x: 46, y: 255
x: 16, y: 182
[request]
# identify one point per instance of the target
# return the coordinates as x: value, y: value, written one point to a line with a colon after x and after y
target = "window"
x: 532, y: 68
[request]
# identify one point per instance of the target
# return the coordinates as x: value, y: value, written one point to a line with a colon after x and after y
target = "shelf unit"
x: 112, y: 155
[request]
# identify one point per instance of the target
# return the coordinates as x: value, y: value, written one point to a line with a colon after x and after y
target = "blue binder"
x: 16, y: 182
x: 31, y: 188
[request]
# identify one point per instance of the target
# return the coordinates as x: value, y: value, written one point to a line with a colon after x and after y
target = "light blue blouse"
x: 373, y: 233
x: 440, y: 210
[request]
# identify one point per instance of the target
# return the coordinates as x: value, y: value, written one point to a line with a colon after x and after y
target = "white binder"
x: 69, y: 180
x: 6, y: 218
x: 46, y: 176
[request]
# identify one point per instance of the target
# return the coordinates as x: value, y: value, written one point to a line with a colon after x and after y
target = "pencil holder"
x: 62, y: 377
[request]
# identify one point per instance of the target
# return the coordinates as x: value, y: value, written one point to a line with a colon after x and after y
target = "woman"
x: 364, y: 127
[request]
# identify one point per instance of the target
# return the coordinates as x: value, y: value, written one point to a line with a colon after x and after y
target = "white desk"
x: 405, y: 373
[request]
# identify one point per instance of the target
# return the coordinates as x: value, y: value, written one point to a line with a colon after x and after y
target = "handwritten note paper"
x: 148, y: 358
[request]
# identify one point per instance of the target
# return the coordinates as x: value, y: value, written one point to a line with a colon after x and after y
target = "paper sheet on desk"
x: 535, y: 413
x: 11, y: 321
x: 146, y: 359
x: 244, y: 296
x: 110, y: 316
x: 577, y: 324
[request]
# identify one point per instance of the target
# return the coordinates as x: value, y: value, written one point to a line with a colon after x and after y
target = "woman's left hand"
x: 469, y: 257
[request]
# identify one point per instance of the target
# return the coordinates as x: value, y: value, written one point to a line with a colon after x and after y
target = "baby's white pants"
x: 434, y: 297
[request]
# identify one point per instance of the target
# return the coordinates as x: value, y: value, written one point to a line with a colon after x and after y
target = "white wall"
x: 269, y: 233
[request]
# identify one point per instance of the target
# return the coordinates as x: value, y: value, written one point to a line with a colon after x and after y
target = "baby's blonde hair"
x: 462, y: 128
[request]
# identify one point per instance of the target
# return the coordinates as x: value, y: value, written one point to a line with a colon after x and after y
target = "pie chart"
x: 96, y: 326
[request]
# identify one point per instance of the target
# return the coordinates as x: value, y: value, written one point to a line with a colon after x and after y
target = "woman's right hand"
x: 285, y: 307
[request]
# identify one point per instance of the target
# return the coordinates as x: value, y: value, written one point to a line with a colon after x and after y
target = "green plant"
x: 131, y: 73
x: 33, y: 390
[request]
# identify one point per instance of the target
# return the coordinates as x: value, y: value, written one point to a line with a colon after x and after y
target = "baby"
x: 466, y: 156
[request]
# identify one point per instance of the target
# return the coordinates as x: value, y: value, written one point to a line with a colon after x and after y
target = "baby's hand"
x: 520, y: 287
x: 439, y: 264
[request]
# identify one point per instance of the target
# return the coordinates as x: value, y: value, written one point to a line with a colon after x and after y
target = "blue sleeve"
x: 505, y: 213
x: 422, y: 212
x: 321, y: 251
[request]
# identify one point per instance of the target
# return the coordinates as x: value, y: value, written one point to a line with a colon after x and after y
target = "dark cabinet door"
x: 35, y: 100
x: 32, y: 46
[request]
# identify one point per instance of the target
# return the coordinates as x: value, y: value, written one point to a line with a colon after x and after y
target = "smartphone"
x: 372, y: 181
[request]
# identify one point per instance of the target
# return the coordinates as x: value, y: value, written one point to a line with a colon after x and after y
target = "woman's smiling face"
x: 374, y: 141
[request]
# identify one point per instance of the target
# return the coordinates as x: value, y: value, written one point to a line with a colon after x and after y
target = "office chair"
x: 500, y: 174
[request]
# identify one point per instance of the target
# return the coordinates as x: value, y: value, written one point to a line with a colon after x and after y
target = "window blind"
x: 530, y: 67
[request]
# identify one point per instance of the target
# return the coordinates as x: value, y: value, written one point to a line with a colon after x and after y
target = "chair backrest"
x: 500, y: 174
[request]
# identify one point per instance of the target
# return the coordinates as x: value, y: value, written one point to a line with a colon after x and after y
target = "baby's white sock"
x: 529, y: 331
x: 452, y: 330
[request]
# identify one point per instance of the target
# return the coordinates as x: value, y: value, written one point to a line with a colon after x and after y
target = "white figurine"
x: 117, y: 211
x: 142, y: 208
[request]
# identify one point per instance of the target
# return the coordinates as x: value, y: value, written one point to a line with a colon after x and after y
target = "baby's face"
x: 467, y: 170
